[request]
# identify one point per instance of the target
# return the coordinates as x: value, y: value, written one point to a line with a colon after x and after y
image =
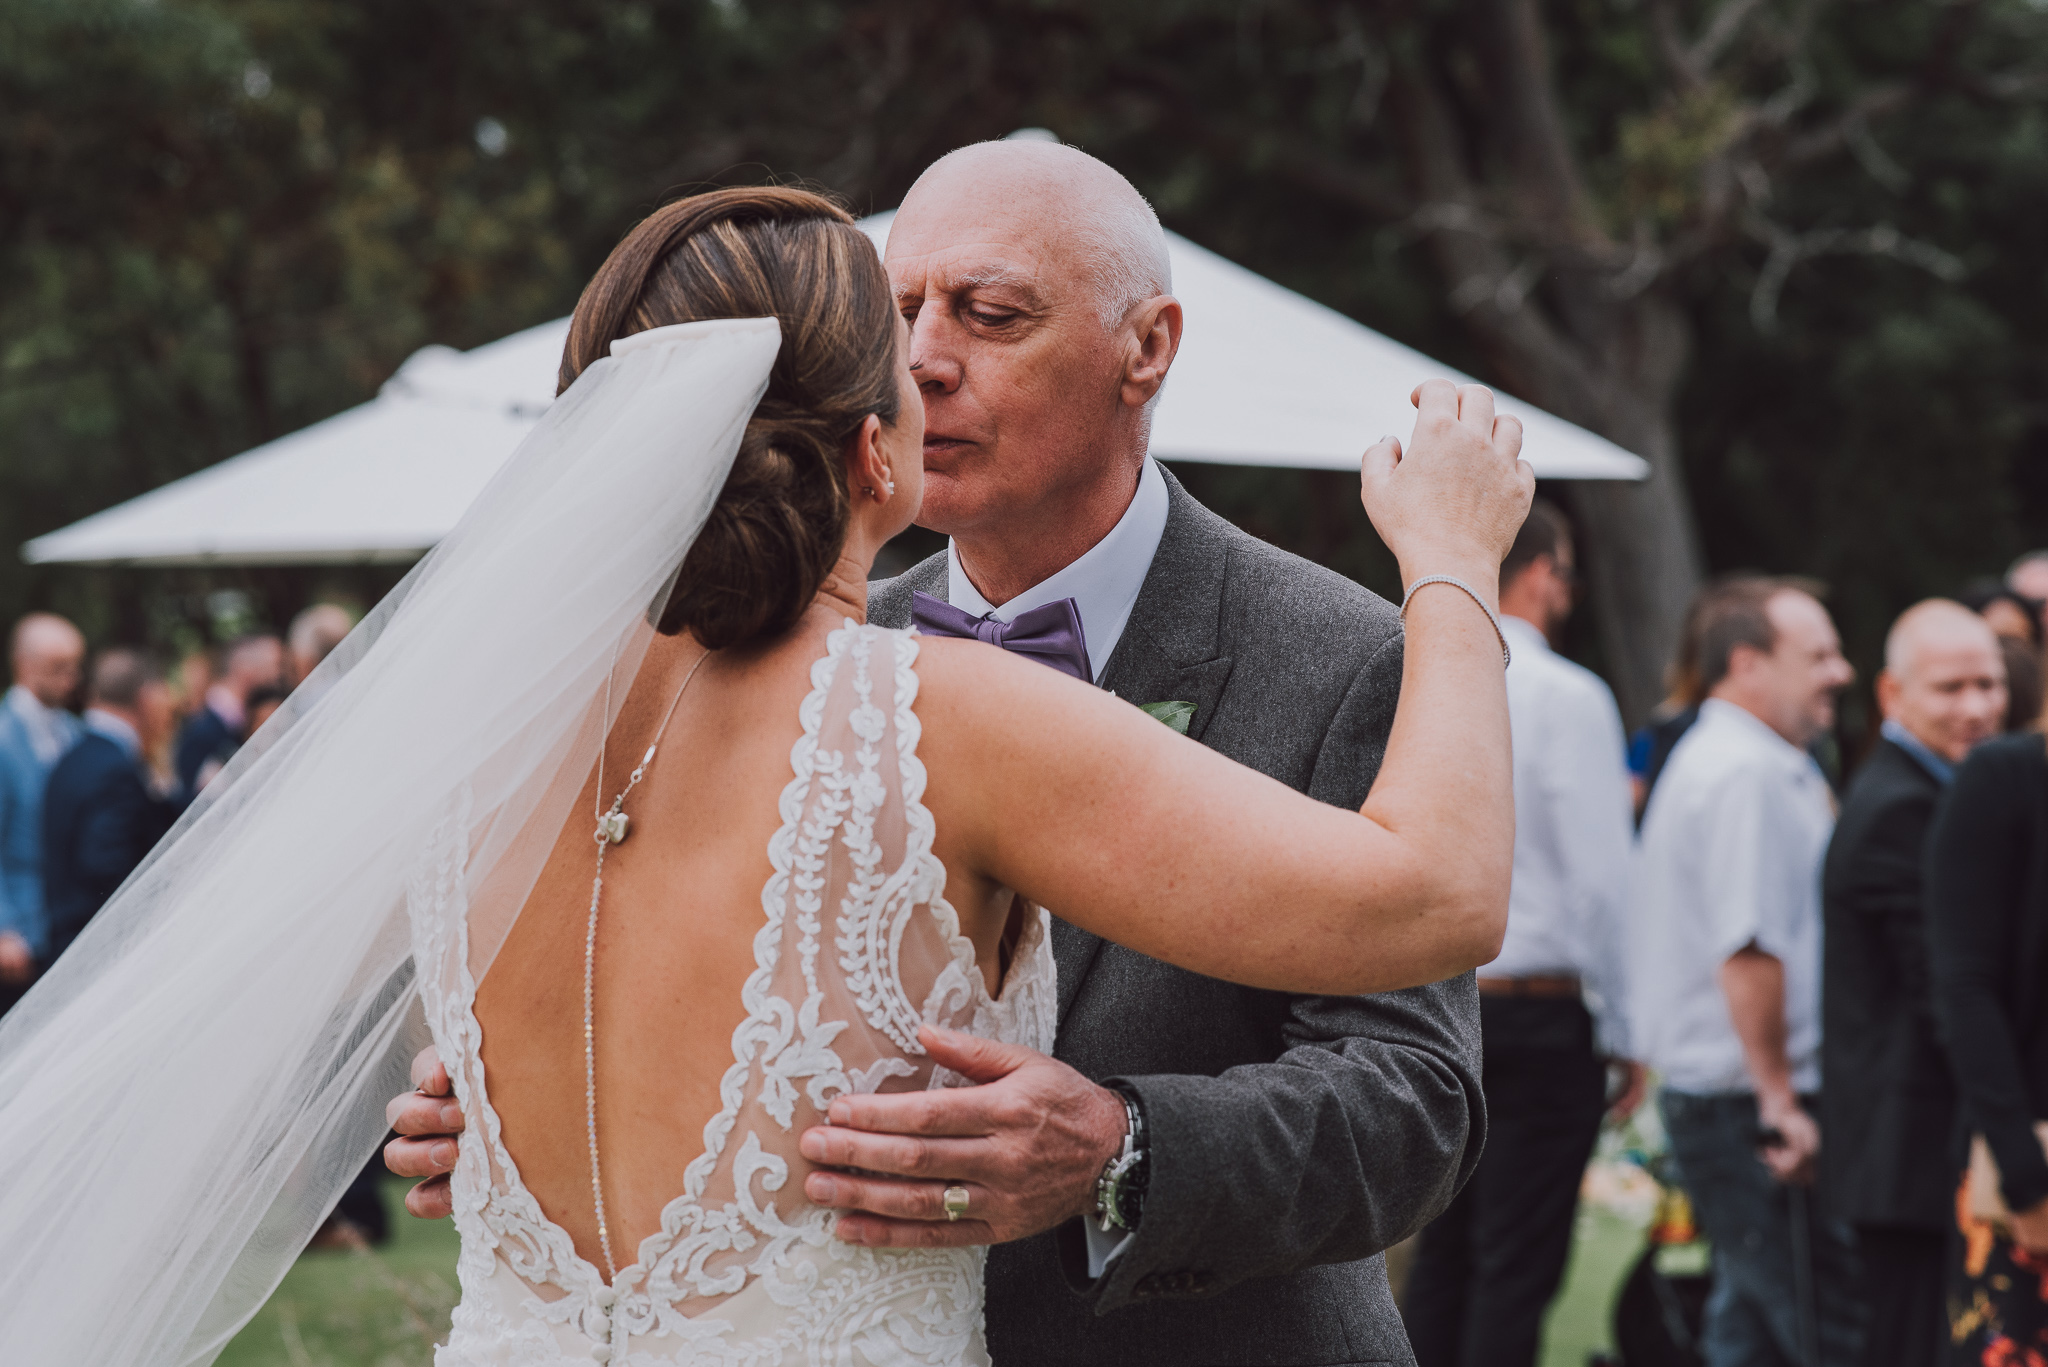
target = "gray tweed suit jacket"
x: 1293, y: 1138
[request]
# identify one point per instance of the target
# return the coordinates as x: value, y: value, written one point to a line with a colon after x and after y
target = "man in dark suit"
x: 101, y: 811
x: 1285, y: 1140
x: 1205, y: 1173
x: 1890, y: 1105
x: 213, y: 733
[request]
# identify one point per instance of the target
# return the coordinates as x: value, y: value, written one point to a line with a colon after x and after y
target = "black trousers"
x: 1488, y: 1267
x: 1905, y: 1287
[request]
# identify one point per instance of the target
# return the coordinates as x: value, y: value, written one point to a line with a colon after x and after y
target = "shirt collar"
x: 1103, y: 582
x: 44, y: 725
x: 1734, y: 716
x: 1940, y: 769
x: 1523, y: 636
x: 115, y: 729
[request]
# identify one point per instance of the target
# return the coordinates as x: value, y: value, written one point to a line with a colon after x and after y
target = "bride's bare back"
x: 682, y: 906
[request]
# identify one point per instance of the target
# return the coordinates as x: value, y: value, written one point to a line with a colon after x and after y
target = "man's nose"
x: 935, y: 354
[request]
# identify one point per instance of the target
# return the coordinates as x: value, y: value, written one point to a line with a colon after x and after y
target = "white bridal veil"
x: 184, y: 1097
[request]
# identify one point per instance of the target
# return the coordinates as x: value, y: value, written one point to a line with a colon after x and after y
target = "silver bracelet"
x: 1506, y: 656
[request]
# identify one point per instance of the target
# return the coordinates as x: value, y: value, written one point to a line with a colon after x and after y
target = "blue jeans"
x: 1753, y: 1312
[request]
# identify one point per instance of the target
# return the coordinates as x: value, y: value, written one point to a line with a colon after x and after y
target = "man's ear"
x: 1151, y: 344
x: 866, y: 467
x: 1887, y: 685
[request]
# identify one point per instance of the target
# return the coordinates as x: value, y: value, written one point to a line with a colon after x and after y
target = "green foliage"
x: 223, y: 219
x: 1176, y: 715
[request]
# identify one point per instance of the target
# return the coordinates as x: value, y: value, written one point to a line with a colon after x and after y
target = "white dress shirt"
x: 1573, y: 836
x: 1730, y: 857
x: 1103, y: 583
x: 50, y: 730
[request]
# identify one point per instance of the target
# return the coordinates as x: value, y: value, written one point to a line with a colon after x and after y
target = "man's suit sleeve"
x: 1354, y: 1138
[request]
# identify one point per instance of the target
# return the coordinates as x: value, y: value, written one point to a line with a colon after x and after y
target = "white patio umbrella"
x: 1264, y: 376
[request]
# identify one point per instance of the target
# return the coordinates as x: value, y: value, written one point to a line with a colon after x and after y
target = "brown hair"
x: 1736, y: 612
x: 780, y: 522
x: 1544, y: 532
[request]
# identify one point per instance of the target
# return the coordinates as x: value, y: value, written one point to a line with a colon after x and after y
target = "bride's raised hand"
x: 1452, y: 501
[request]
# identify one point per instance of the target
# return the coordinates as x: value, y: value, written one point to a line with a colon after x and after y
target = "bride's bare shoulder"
x: 969, y: 685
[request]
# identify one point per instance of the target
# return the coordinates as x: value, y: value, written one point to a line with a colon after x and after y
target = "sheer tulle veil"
x: 185, y: 1095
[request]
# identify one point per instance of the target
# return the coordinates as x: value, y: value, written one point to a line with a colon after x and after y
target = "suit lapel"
x: 1168, y: 653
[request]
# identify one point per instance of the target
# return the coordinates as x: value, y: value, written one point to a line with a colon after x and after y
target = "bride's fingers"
x: 1475, y: 408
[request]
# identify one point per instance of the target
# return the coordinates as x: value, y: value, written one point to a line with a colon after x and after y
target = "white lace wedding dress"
x: 857, y: 946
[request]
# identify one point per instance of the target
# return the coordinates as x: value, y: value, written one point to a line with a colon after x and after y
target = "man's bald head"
x: 1944, y: 677
x: 1930, y: 627
x: 1075, y: 209
x: 47, y: 653
x: 1034, y: 281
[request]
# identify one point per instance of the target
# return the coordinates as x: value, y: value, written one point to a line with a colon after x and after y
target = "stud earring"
x: 868, y: 489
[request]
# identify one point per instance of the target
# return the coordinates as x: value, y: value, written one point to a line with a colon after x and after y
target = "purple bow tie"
x: 1050, y: 635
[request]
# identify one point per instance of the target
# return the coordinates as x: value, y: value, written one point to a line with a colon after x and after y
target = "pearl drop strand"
x: 612, y: 828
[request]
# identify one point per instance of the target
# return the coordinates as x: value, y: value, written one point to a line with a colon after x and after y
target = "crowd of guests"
x: 97, y: 762
x: 1839, y: 988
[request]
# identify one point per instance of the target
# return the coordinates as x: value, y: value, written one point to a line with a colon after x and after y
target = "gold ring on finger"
x: 955, y: 1202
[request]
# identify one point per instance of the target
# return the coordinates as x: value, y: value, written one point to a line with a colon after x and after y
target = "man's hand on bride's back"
x: 428, y: 1121
x: 1452, y: 501
x: 1027, y: 1144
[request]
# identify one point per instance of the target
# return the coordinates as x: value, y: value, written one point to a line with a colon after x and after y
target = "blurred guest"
x: 2012, y: 616
x: 2023, y: 684
x: 1489, y: 1265
x: 263, y: 704
x: 1650, y: 748
x: 189, y: 684
x: 1726, y: 974
x: 46, y: 652
x: 313, y: 636
x: 213, y: 733
x: 1890, y: 1103
x: 2028, y: 577
x: 1987, y: 932
x: 101, y: 814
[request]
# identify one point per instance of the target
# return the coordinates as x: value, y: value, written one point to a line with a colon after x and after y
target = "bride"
x: 668, y: 850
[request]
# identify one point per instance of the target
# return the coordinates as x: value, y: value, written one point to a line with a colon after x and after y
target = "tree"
x: 1586, y: 178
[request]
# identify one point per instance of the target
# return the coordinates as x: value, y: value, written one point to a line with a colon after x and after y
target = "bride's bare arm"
x: 1087, y: 805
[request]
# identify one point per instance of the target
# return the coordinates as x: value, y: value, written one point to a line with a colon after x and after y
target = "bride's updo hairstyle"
x: 780, y: 523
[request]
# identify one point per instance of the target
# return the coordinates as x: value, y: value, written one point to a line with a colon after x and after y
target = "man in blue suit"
x: 35, y: 731
x: 104, y: 810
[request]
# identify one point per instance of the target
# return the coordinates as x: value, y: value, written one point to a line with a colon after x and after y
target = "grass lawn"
x: 389, y: 1306
x: 1604, y: 1247
x: 383, y: 1307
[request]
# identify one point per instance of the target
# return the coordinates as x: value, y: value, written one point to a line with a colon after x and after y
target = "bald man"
x: 46, y: 653
x: 1889, y: 1101
x: 1204, y: 1173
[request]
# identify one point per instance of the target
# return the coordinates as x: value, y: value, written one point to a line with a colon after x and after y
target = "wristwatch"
x: 1120, y: 1191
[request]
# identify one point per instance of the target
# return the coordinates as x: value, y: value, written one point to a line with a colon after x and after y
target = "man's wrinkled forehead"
x: 950, y: 252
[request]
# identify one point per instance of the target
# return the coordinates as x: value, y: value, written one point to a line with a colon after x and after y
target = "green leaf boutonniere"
x: 1174, y: 714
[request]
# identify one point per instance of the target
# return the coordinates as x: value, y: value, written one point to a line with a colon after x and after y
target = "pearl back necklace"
x: 612, y: 828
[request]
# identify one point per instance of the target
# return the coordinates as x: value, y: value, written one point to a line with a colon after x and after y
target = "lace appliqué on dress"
x: 857, y: 948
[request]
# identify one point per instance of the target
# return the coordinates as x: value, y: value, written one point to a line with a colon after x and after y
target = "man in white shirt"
x: 1726, y: 977
x: 1489, y: 1265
